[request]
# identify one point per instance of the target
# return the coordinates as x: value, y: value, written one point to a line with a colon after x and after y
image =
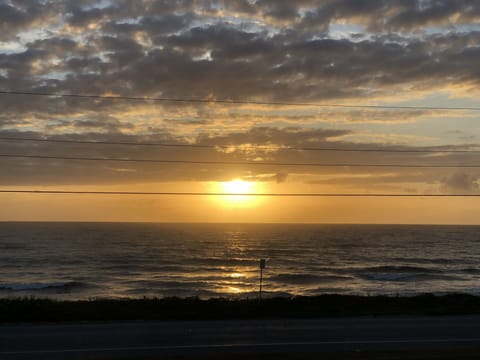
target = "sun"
x: 239, y: 193
x: 237, y: 187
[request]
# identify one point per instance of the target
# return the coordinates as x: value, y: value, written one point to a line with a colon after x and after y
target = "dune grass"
x: 35, y: 309
x: 419, y: 354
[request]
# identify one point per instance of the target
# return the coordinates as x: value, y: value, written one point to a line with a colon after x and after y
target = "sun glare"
x: 236, y: 190
x: 237, y: 187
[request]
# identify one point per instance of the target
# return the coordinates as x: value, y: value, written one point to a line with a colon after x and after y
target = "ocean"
x: 133, y: 260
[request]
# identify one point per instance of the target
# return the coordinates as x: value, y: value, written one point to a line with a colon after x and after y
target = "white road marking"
x: 246, y: 345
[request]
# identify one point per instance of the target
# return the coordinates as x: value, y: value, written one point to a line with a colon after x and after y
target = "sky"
x: 277, y: 82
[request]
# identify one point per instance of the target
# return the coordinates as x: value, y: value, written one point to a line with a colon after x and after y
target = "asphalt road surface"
x: 194, y: 338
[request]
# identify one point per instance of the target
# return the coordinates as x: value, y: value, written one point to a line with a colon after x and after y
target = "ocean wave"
x: 437, y: 261
x: 407, y: 277
x: 400, y: 269
x: 222, y: 261
x: 164, y: 284
x: 12, y: 246
x: 119, y: 259
x: 170, y: 292
x: 402, y: 273
x: 146, y: 267
x: 470, y: 270
x: 307, y: 278
x: 56, y: 286
x: 326, y: 290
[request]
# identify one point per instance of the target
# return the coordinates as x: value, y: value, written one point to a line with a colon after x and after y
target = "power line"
x: 236, y: 102
x: 164, y: 161
x: 100, y: 142
x: 161, y: 144
x: 68, y: 192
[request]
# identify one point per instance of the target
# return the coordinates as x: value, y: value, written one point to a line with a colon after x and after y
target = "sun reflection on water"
x: 237, y: 280
x: 237, y: 275
x: 234, y: 290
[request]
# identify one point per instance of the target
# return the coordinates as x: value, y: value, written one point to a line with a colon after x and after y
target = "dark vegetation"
x: 33, y: 309
x: 420, y: 354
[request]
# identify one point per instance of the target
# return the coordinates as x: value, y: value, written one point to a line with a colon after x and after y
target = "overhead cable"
x: 206, y: 146
x: 72, y: 192
x: 235, y: 102
x: 256, y: 163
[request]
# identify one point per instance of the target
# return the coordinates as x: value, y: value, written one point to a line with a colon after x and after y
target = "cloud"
x: 17, y: 16
x: 185, y: 52
x: 461, y: 182
x: 151, y: 25
x: 386, y: 51
x: 282, y: 145
x: 388, y: 15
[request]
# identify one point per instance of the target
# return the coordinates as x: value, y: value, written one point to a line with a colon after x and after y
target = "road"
x: 162, y: 338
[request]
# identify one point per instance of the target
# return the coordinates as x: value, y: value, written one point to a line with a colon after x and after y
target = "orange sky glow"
x: 240, y: 97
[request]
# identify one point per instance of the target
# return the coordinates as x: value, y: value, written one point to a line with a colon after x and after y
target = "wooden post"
x: 262, y: 266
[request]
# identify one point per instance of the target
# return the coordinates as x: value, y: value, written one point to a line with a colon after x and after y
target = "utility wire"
x: 236, y: 102
x: 230, y: 194
x: 265, y: 163
x: 101, y: 142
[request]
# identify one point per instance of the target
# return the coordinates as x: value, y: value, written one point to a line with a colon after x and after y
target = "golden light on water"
x: 237, y: 275
x: 236, y: 282
x: 234, y: 290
